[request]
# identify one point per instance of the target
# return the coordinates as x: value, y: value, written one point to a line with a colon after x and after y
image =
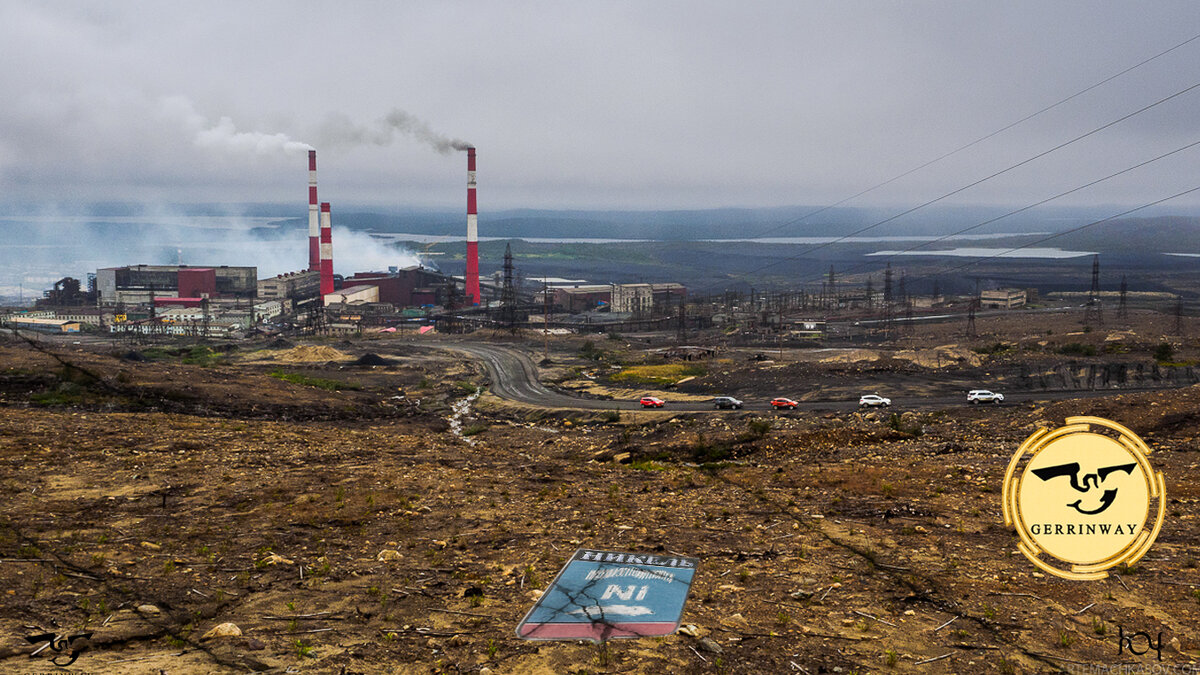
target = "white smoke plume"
x: 224, y: 135
x: 340, y: 130
x: 57, y: 242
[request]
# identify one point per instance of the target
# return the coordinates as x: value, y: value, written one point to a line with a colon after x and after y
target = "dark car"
x: 726, y: 402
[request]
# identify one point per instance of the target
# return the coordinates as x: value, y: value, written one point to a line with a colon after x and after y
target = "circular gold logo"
x: 1084, y: 494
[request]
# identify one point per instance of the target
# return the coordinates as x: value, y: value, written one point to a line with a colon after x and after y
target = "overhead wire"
x: 1056, y: 235
x: 1034, y: 205
x: 982, y: 138
x: 977, y: 182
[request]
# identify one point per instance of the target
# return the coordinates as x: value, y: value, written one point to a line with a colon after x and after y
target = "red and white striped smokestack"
x: 472, y: 276
x: 314, y: 228
x: 326, y: 250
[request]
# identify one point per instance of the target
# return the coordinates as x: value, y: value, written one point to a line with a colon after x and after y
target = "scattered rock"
x: 710, y: 645
x: 689, y: 630
x: 389, y: 555
x: 148, y: 609
x: 150, y: 546
x: 222, y: 630
x: 735, y: 620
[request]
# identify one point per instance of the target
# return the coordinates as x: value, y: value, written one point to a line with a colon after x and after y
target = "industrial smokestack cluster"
x: 314, y: 228
x: 472, y: 275
x: 320, y: 231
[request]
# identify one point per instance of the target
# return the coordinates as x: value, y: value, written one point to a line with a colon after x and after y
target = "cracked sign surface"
x: 600, y: 595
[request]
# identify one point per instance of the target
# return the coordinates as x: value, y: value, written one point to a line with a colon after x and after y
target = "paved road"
x: 514, y: 376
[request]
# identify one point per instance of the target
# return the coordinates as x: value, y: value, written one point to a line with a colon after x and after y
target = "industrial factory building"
x: 293, y: 286
x: 143, y: 284
x: 646, y: 299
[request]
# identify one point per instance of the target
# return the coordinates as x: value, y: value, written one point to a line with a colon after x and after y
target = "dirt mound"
x: 944, y: 356
x: 134, y: 355
x: 372, y: 360
x: 310, y: 354
x: 852, y: 356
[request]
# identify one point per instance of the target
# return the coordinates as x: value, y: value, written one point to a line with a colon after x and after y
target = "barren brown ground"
x: 351, y: 531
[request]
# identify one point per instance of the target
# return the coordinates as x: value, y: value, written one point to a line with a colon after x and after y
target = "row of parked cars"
x: 975, y: 396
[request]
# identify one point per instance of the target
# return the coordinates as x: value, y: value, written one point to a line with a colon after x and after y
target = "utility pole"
x: 1122, y: 311
x: 1093, y: 312
x: 681, y: 334
x: 832, y: 289
x: 887, y: 298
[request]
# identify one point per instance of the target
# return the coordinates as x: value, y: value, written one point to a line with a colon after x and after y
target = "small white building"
x: 1003, y: 298
x: 353, y: 295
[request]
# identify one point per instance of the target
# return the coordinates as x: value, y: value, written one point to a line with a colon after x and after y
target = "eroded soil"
x: 349, y: 530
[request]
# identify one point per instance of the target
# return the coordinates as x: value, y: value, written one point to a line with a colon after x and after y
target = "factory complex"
x: 232, y: 301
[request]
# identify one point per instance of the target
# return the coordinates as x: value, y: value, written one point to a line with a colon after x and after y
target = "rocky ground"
x: 348, y: 510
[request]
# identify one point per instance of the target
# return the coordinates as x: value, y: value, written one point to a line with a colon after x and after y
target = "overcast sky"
x: 591, y: 104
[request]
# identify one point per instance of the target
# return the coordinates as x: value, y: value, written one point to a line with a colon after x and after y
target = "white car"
x: 977, y: 396
x: 873, y: 401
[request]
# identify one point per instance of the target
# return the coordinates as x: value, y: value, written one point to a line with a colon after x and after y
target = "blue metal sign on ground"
x: 600, y: 595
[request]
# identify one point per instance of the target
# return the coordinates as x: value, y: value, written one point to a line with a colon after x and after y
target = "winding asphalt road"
x: 514, y: 376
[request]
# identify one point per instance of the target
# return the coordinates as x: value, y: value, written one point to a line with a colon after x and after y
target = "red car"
x: 783, y: 403
x: 652, y: 402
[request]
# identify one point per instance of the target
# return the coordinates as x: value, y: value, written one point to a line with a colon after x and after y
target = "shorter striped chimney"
x: 314, y: 228
x: 326, y: 251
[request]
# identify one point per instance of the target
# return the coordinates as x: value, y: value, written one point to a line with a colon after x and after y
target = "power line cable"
x: 1058, y: 234
x: 979, y: 181
x: 922, y: 244
x: 982, y: 138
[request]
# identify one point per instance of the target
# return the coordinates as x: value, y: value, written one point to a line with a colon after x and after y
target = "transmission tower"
x: 508, y: 293
x: 1093, y: 315
x: 1122, y: 311
x: 681, y: 334
x: 1179, y: 316
x: 887, y: 297
x: 832, y: 292
x: 971, y: 317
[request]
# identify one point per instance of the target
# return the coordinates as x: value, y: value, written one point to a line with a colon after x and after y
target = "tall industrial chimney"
x: 326, y: 251
x: 472, y: 276
x: 314, y: 228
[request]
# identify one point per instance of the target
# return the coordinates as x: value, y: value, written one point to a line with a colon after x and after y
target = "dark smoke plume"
x: 340, y: 130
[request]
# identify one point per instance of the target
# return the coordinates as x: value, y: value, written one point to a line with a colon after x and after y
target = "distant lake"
x: 1032, y: 252
x: 448, y: 238
x: 453, y: 238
